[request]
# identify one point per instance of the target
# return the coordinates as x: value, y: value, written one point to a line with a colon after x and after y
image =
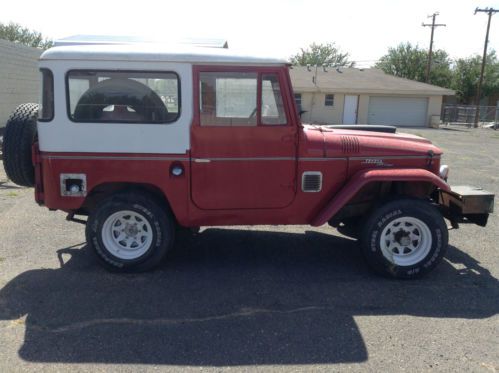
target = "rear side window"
x: 46, y: 107
x: 123, y: 97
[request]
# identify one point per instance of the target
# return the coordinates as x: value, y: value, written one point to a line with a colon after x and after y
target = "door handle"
x: 201, y: 160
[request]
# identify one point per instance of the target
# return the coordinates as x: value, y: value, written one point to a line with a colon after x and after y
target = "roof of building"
x: 8, y: 46
x: 359, y: 81
x: 151, y: 52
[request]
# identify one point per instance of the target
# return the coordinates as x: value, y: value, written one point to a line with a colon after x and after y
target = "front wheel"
x: 405, y: 238
x: 130, y: 232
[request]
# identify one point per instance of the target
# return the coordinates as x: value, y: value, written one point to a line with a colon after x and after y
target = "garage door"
x: 398, y: 111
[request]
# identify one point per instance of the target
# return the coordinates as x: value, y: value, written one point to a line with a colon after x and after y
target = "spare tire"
x: 117, y: 91
x: 20, y: 133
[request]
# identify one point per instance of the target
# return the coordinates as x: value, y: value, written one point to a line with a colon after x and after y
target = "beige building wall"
x: 434, y: 107
x: 318, y: 113
x: 19, y: 77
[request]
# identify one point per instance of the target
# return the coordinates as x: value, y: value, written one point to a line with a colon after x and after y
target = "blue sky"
x: 365, y: 29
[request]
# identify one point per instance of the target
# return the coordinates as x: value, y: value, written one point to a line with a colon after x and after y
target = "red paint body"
x: 250, y: 175
x: 364, y: 177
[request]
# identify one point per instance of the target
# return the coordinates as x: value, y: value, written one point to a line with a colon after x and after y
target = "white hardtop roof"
x: 123, y: 39
x: 156, y: 53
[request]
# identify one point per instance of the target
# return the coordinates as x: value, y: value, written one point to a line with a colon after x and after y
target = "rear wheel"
x: 405, y: 238
x: 130, y: 232
x: 20, y: 133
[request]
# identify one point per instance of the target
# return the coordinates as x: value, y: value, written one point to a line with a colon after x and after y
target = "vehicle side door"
x: 243, y: 139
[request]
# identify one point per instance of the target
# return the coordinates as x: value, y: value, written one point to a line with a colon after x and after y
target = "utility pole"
x: 432, y: 25
x: 490, y: 12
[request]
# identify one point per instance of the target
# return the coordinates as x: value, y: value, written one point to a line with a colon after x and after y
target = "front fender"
x: 364, y: 177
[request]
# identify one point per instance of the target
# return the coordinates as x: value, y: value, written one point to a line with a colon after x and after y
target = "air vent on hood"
x: 311, y: 181
x: 350, y: 144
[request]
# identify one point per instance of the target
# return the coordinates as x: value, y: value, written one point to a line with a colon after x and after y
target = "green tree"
x: 320, y: 54
x: 408, y: 61
x: 19, y: 34
x: 467, y: 73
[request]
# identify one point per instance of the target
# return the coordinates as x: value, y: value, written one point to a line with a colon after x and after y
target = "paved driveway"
x: 250, y: 298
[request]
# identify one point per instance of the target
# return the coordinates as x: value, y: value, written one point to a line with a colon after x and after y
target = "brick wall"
x: 19, y: 77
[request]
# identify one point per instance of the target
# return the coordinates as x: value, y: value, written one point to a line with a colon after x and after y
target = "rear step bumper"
x: 466, y: 204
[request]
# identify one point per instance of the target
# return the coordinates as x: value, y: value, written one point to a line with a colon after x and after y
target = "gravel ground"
x: 250, y: 298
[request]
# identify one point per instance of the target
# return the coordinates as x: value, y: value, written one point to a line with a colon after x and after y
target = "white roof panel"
x: 123, y: 39
x: 156, y: 53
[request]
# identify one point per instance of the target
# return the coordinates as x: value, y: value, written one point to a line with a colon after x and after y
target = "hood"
x: 340, y: 143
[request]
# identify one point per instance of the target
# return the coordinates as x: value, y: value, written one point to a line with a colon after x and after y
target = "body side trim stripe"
x: 246, y: 159
x: 159, y: 158
x: 198, y: 160
x: 114, y: 158
x: 323, y: 159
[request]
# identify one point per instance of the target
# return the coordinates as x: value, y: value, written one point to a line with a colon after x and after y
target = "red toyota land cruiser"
x: 143, y: 139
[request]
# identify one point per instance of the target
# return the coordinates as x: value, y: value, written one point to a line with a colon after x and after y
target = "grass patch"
x: 12, y: 194
x: 2, y: 259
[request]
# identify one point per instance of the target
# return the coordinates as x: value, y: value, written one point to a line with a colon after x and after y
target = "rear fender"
x: 364, y: 177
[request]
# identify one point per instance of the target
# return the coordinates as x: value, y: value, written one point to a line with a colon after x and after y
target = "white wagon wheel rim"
x: 405, y: 241
x: 127, y: 234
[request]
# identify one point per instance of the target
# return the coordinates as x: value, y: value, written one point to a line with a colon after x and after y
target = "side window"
x: 329, y: 100
x: 123, y: 97
x: 228, y: 98
x: 46, y: 110
x: 272, y: 105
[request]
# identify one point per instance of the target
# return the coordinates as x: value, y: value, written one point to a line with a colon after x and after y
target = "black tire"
x: 20, y: 133
x: 157, y: 216
x: 139, y: 97
x: 427, y: 249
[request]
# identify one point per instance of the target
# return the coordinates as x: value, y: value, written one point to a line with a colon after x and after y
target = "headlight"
x: 444, y: 171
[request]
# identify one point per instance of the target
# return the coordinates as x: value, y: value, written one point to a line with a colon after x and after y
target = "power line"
x: 490, y: 12
x: 432, y: 25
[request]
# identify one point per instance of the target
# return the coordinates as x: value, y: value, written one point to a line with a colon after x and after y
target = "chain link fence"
x: 465, y: 114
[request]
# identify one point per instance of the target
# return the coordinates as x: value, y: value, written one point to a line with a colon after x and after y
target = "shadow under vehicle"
x: 230, y: 297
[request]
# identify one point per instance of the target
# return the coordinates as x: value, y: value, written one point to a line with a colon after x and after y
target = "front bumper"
x: 466, y: 204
